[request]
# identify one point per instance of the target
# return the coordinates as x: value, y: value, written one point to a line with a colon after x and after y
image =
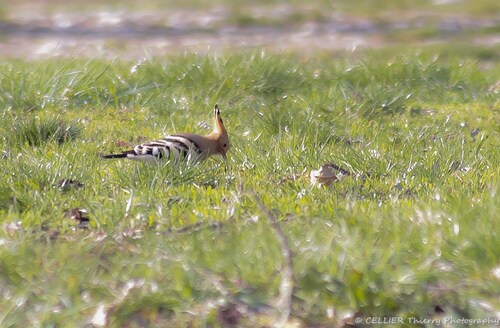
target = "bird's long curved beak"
x: 224, y: 156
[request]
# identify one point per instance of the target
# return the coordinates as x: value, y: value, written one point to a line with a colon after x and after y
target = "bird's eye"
x: 224, y: 145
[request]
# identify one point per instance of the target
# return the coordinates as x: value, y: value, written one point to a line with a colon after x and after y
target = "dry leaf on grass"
x: 80, y: 215
x: 99, y: 319
x: 494, y: 88
x: 327, y: 174
x: 229, y: 315
x: 122, y: 144
x: 66, y: 184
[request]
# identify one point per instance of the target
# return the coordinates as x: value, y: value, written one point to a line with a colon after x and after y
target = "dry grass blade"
x: 287, y: 284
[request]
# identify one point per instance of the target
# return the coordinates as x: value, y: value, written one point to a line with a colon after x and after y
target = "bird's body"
x: 182, y: 146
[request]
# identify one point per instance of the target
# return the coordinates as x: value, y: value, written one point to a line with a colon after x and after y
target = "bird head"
x: 220, y: 132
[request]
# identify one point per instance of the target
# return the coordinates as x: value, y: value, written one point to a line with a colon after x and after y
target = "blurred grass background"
x: 412, y: 233
x: 363, y: 7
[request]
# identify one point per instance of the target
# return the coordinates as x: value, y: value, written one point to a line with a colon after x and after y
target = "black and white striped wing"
x: 172, y: 148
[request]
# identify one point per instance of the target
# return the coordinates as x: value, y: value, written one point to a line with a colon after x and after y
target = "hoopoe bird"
x: 182, y: 146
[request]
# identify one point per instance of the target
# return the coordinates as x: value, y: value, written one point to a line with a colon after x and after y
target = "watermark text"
x: 428, y: 321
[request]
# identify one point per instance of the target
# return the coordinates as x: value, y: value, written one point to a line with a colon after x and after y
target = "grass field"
x: 411, y: 233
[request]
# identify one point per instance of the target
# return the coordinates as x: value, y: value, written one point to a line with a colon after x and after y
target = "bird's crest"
x: 218, y: 123
x: 220, y: 133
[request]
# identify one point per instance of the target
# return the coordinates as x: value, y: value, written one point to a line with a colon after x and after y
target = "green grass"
x: 414, y: 227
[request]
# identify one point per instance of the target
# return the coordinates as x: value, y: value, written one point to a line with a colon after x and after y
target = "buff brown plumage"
x: 182, y: 146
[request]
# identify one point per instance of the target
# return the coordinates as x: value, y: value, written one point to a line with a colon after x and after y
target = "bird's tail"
x: 122, y: 155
